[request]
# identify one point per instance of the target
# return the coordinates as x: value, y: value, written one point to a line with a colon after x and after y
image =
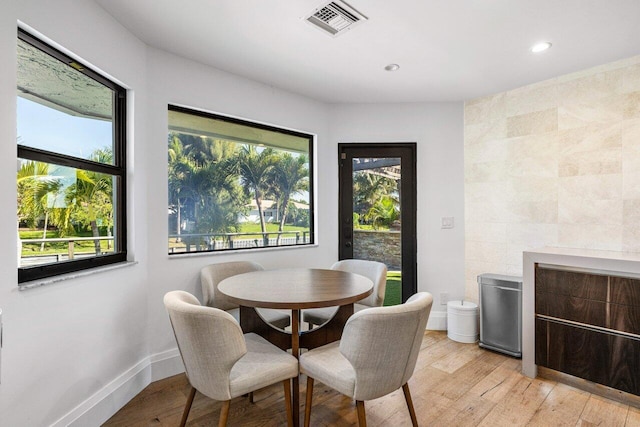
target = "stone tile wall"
x: 555, y: 163
x: 382, y: 246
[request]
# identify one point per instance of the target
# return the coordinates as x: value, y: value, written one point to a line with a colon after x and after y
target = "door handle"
x: 348, y: 244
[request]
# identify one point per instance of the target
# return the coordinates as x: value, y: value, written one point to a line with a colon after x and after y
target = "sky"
x: 46, y: 128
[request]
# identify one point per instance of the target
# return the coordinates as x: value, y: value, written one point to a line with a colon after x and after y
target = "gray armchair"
x: 221, y: 362
x: 376, y: 355
x: 211, y: 275
x: 373, y: 270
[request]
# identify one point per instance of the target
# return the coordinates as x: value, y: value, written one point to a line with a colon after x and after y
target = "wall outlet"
x: 444, y: 298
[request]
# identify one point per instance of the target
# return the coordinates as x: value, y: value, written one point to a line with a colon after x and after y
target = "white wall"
x: 437, y: 130
x: 66, y: 342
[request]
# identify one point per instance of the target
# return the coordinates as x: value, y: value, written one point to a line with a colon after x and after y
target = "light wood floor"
x: 453, y: 385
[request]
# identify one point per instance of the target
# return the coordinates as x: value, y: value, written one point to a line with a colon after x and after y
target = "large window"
x: 235, y: 184
x: 71, y: 164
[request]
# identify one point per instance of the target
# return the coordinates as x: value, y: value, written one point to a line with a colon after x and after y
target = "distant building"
x: 269, y: 209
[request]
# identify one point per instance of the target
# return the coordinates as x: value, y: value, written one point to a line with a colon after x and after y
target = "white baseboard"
x: 111, y: 398
x: 166, y: 364
x: 437, y: 321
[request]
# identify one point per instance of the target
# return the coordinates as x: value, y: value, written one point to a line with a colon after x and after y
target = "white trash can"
x: 462, y: 321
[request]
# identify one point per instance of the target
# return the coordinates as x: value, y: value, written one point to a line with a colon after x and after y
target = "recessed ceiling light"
x: 392, y: 67
x: 540, y: 47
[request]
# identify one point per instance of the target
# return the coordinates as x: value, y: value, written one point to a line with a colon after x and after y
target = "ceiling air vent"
x: 335, y: 17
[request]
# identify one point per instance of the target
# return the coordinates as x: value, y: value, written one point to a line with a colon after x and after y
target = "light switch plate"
x: 447, y: 222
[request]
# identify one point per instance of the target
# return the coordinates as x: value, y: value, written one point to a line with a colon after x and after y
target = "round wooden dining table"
x: 296, y: 289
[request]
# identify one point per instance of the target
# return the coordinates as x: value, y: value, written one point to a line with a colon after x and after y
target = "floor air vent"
x: 335, y: 17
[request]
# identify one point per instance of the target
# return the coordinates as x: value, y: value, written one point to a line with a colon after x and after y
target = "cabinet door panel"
x: 625, y: 365
x: 625, y: 291
x: 579, y: 352
x: 541, y: 343
x: 572, y: 308
x: 625, y: 318
x: 571, y: 283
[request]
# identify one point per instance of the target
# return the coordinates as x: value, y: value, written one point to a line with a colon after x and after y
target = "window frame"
x: 118, y: 169
x: 258, y: 125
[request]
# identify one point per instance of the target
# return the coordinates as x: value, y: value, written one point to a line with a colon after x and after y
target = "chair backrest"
x: 374, y: 270
x: 211, y: 275
x: 210, y: 343
x: 382, y: 345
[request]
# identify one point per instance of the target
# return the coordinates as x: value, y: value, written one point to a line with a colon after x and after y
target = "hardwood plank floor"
x: 454, y: 384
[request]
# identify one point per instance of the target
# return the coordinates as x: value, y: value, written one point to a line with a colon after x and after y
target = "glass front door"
x: 377, y: 211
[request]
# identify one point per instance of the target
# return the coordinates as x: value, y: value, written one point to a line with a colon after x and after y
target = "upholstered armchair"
x: 211, y: 275
x: 373, y: 270
x: 376, y: 355
x: 221, y: 362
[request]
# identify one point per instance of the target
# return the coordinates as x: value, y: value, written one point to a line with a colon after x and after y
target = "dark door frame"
x: 407, y: 152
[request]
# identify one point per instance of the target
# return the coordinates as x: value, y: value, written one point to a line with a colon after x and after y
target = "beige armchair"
x: 376, y: 271
x: 376, y: 355
x: 221, y: 362
x: 212, y: 275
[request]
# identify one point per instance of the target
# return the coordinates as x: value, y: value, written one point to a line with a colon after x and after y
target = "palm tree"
x: 203, y: 150
x: 40, y: 193
x: 179, y: 167
x: 369, y: 188
x: 384, y: 212
x: 91, y: 199
x: 289, y: 176
x: 255, y: 172
x: 34, y: 185
x: 203, y: 186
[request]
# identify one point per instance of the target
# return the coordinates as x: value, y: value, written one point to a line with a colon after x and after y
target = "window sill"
x: 51, y: 280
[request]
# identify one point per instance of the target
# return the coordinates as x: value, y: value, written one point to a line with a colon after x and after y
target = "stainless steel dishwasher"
x: 501, y: 313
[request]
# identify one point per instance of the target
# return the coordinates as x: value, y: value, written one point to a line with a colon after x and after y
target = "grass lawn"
x: 393, y: 292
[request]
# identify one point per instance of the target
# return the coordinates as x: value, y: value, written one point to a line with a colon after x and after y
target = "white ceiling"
x: 448, y: 50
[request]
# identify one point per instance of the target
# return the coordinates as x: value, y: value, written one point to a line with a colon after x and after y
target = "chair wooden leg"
x: 187, y: 407
x: 250, y: 397
x: 412, y: 412
x: 224, y: 413
x: 287, y: 401
x: 307, y: 403
x: 362, y: 417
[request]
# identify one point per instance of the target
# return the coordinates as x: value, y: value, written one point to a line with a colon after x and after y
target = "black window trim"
x: 118, y: 169
x: 312, y: 210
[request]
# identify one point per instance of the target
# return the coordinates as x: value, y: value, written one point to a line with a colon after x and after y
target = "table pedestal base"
x: 250, y: 321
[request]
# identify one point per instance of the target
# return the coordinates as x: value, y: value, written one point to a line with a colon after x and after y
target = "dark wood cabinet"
x: 572, y: 308
x: 579, y: 352
x: 572, y: 283
x: 625, y: 290
x: 625, y: 318
x: 588, y: 325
